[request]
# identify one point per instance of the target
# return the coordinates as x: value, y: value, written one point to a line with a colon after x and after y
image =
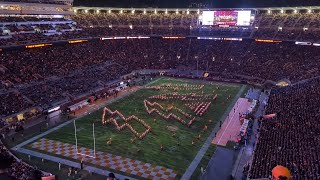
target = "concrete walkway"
x: 253, y: 93
x: 194, y: 164
x: 246, y: 152
x: 220, y: 165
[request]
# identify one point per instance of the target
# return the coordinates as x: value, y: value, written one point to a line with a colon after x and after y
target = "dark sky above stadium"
x: 195, y: 3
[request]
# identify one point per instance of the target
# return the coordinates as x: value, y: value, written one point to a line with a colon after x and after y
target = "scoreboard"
x: 225, y: 18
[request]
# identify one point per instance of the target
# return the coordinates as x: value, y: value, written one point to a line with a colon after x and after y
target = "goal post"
x: 76, y: 139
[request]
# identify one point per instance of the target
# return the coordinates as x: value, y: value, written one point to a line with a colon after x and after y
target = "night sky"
x: 195, y: 3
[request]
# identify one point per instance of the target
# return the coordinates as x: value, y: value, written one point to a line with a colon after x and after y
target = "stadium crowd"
x: 45, y: 76
x: 48, y: 92
x: 282, y: 26
x: 51, y: 73
x: 11, y: 103
x: 16, y: 169
x: 292, y: 138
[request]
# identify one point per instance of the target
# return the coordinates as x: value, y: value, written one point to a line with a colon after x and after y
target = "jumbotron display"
x: 229, y: 18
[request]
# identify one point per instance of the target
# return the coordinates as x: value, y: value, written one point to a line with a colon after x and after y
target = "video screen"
x: 225, y: 17
x: 231, y: 18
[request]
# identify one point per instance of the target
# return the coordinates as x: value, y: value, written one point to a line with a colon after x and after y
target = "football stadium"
x: 171, y: 89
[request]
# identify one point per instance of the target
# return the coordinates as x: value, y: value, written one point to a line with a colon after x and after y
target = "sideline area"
x: 230, y: 128
x: 227, y: 161
x: 194, y: 164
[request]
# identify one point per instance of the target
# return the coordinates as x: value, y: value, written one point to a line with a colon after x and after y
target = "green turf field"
x: 174, y: 156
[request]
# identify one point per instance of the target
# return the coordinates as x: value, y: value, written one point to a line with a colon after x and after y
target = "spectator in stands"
x: 291, y: 139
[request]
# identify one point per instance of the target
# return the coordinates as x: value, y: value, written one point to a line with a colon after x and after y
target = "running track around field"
x: 230, y: 128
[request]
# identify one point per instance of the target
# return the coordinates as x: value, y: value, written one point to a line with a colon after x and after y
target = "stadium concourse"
x: 53, y: 64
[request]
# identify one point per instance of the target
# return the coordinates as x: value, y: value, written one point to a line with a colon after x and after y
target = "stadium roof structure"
x: 291, y: 8
x: 196, y: 3
x: 308, y: 9
x: 17, y: 7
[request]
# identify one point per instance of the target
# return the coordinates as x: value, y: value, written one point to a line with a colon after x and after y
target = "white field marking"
x: 86, y: 155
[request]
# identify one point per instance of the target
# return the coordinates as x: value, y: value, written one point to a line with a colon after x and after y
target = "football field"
x: 154, y: 132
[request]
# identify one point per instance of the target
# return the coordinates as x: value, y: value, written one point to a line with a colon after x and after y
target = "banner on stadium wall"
x: 78, y: 105
x: 269, y: 116
x: 173, y: 37
x: 125, y: 37
x: 77, y: 41
x: 267, y: 40
x: 232, y: 39
x: 54, y: 109
x: 37, y: 46
x: 303, y: 43
x: 215, y: 38
x: 48, y: 178
x: 210, y: 38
